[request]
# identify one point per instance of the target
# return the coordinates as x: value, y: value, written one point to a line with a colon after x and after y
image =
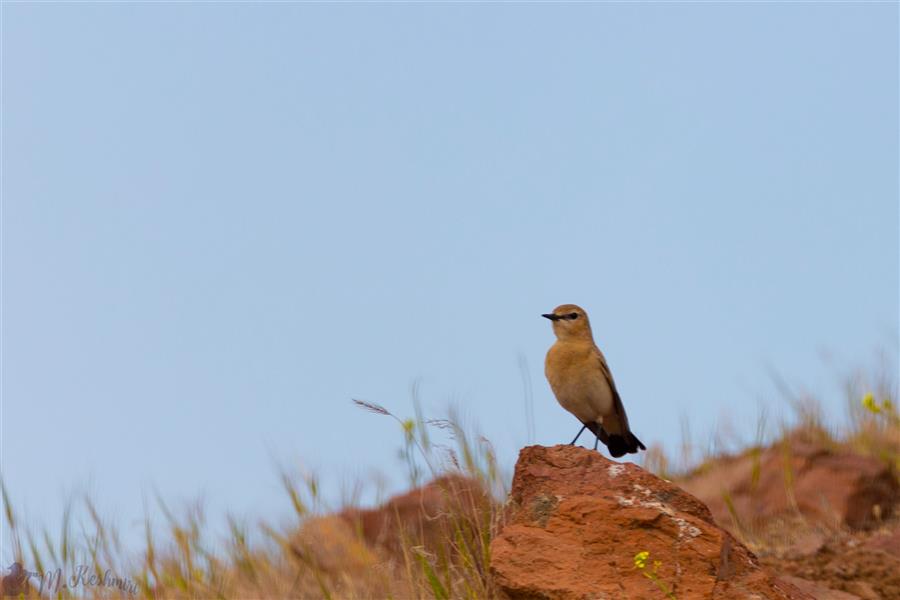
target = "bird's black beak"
x: 551, y: 316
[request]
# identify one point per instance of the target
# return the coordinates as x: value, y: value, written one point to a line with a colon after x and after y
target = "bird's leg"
x: 596, y: 441
x: 583, y: 427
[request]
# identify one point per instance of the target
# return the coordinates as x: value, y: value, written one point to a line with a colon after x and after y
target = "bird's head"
x: 570, y: 322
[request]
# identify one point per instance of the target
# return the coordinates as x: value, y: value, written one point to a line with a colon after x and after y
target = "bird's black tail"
x: 618, y: 445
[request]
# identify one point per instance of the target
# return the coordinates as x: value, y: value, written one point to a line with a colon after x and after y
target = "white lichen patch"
x: 641, y: 489
x: 615, y: 470
x: 686, y: 531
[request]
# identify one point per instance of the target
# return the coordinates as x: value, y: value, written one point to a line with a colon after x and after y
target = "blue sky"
x: 221, y: 222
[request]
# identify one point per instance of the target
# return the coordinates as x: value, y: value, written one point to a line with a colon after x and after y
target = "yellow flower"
x: 886, y: 404
x: 869, y: 403
x: 408, y: 427
x: 640, y: 559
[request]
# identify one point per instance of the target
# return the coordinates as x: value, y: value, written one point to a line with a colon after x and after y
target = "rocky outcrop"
x: 817, y: 591
x: 823, y: 516
x: 430, y: 517
x: 836, y: 488
x: 861, y: 564
x: 578, y: 525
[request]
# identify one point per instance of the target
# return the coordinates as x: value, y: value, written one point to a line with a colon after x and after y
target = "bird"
x: 583, y: 384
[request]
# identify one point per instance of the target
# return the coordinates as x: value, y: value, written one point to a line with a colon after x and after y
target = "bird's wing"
x: 617, y: 422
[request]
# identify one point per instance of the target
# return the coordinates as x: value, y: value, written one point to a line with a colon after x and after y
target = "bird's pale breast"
x: 578, y: 382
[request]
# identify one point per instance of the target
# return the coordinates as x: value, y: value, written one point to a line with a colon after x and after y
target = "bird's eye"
x: 573, y: 315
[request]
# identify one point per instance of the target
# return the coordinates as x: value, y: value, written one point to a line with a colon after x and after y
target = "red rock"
x: 834, y: 488
x: 575, y: 521
x: 424, y: 514
x: 885, y: 541
x: 352, y: 544
x: 817, y: 591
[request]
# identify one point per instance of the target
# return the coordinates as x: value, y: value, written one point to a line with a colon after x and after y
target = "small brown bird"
x: 582, y: 383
